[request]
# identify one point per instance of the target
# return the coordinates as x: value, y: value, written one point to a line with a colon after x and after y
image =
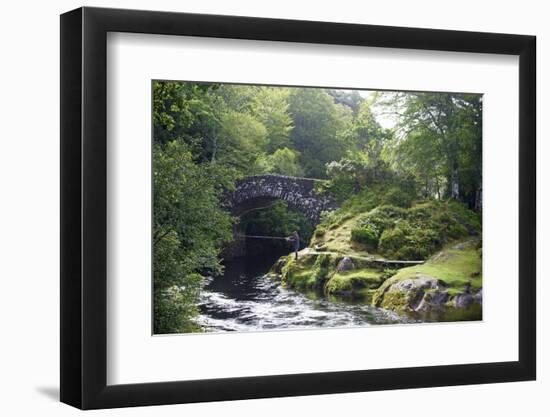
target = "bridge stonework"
x: 300, y: 194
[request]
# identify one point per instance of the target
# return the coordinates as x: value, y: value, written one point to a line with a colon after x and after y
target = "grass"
x: 353, y: 282
x: 456, y: 268
x: 338, y: 239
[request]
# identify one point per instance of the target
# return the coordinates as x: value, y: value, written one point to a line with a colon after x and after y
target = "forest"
x: 406, y: 167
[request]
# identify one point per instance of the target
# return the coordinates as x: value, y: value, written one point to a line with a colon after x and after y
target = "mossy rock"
x: 394, y: 300
x: 309, y: 271
x: 448, y: 275
x: 353, y: 282
x: 404, y: 295
x: 277, y: 267
x: 297, y: 276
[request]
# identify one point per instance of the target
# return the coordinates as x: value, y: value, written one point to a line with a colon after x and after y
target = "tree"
x: 317, y: 123
x: 471, y: 151
x: 453, y: 123
x: 365, y: 133
x: 283, y: 161
x: 421, y: 156
x: 189, y: 230
x: 180, y: 110
x: 349, y: 98
x: 356, y: 172
x: 270, y: 106
x: 241, y: 138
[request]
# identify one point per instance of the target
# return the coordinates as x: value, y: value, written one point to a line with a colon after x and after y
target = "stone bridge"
x: 300, y: 193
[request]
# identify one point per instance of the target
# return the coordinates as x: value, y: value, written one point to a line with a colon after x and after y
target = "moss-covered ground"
x: 458, y: 269
x: 443, y: 234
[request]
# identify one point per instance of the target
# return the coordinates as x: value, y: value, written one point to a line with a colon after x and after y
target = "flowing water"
x: 245, y: 299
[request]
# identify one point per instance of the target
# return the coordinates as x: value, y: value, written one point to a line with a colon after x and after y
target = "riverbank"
x: 424, y: 261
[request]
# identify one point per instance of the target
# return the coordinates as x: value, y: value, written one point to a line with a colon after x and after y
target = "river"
x: 245, y: 299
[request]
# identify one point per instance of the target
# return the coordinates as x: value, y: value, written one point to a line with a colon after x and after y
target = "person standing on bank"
x: 295, y: 239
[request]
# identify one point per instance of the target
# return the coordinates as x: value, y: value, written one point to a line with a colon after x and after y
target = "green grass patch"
x: 354, y: 281
x: 457, y: 268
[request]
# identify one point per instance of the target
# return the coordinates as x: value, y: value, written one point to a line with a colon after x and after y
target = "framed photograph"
x: 257, y: 208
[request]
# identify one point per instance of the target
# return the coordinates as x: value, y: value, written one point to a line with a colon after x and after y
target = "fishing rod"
x: 263, y: 237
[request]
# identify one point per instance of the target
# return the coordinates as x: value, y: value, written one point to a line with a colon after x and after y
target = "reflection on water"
x: 244, y: 299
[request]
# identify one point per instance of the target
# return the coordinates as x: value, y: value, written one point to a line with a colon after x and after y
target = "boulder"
x: 345, y: 264
x: 463, y: 300
x: 478, y: 297
x: 411, y: 294
x: 433, y: 300
x: 277, y: 267
x: 420, y: 282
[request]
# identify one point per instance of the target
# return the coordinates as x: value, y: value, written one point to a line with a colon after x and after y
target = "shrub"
x: 175, y: 307
x: 456, y: 231
x: 393, y: 239
x: 400, y: 197
x: 382, y: 218
x: 413, y: 253
x: 466, y: 217
x: 320, y: 231
x: 417, y: 232
x: 367, y: 235
x: 407, y: 242
x: 388, y: 273
x: 387, y: 224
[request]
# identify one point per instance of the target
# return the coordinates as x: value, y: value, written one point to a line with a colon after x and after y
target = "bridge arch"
x: 300, y: 194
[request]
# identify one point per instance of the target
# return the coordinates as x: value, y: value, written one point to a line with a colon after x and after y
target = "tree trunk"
x: 479, y: 200
x: 214, y: 149
x: 455, y: 190
x: 427, y: 187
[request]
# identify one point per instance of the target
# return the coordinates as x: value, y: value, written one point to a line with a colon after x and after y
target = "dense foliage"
x: 207, y: 136
x: 414, y: 233
x: 439, y: 142
x: 189, y: 229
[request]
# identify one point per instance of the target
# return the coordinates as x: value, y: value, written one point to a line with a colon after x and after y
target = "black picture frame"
x: 84, y: 207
